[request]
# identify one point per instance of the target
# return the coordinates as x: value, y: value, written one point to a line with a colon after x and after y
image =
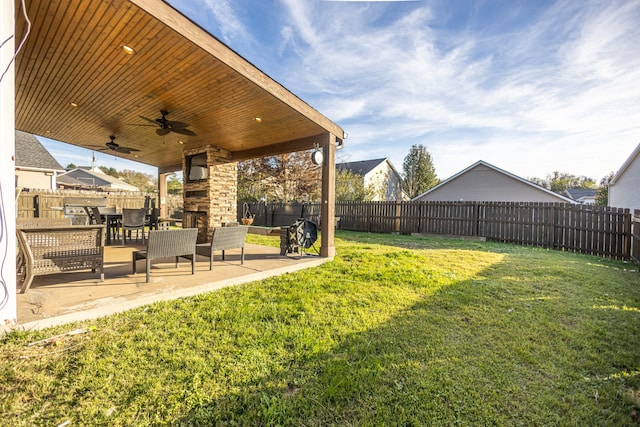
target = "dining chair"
x: 152, y: 220
x: 95, y: 218
x: 132, y: 220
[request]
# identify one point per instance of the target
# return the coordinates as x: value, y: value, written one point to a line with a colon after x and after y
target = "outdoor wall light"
x: 317, y: 157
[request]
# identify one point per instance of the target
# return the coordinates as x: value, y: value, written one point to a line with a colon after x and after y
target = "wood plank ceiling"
x: 74, y: 54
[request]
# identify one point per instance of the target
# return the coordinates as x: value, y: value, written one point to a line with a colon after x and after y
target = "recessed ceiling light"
x: 258, y: 119
x: 128, y: 49
x: 73, y: 104
x: 181, y: 142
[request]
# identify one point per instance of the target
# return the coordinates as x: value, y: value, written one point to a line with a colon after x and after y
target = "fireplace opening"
x: 199, y: 220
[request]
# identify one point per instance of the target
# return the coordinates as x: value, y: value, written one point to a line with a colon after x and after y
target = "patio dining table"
x: 112, y: 221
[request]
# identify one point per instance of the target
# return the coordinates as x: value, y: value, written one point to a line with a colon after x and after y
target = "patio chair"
x: 221, y: 239
x: 169, y: 243
x: 132, y: 220
x: 152, y: 221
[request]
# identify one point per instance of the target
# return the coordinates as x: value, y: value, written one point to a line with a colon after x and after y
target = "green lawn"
x: 397, y: 330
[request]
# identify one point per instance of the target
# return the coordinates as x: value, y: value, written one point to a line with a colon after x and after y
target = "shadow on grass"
x: 493, y: 349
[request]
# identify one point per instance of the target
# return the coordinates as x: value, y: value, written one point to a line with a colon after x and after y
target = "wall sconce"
x: 317, y: 157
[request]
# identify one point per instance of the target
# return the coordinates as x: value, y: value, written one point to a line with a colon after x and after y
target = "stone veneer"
x: 216, y: 196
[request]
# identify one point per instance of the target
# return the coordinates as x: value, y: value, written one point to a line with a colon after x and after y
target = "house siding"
x: 625, y: 192
x: 482, y: 183
x: 385, y: 181
x: 34, y: 179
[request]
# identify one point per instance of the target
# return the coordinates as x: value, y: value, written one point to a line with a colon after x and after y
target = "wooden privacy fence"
x: 50, y: 204
x: 600, y: 231
x: 635, y: 238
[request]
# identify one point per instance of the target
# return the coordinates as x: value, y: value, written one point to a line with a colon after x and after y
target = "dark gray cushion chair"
x: 180, y: 242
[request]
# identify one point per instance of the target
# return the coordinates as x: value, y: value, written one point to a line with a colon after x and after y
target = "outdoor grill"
x: 302, y: 234
x: 76, y: 208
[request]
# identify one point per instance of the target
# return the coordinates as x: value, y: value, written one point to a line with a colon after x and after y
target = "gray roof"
x: 30, y: 153
x: 579, y: 193
x: 362, y: 167
x: 88, y: 178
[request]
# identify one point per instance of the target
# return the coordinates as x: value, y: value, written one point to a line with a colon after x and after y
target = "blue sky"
x: 528, y: 86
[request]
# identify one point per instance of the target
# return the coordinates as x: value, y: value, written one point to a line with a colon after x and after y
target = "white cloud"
x: 531, y: 88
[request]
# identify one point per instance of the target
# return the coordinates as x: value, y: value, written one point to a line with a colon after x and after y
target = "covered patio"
x: 67, y: 297
x: 137, y: 79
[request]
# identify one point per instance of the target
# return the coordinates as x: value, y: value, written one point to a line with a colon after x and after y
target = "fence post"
x: 627, y: 235
x: 476, y: 216
x: 398, y: 211
x: 36, y: 206
x: 552, y: 225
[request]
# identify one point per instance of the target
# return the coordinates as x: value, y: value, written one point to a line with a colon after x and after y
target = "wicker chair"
x: 58, y: 249
x: 42, y: 222
x: 221, y: 239
x: 133, y: 220
x: 169, y: 243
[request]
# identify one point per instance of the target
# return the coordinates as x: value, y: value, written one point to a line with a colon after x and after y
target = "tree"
x: 145, y: 183
x: 71, y: 166
x: 174, y: 185
x: 419, y: 172
x: 285, y: 178
x: 350, y: 187
x: 110, y: 171
x: 602, y: 194
x: 558, y: 182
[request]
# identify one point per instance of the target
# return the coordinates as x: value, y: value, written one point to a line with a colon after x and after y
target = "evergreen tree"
x: 419, y: 172
x: 602, y: 194
x: 174, y: 185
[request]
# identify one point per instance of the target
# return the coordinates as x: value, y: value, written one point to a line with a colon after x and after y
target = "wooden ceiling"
x: 74, y: 54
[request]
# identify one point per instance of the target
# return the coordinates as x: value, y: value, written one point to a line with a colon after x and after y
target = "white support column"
x: 8, y: 290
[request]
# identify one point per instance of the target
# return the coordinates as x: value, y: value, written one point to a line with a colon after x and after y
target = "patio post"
x: 162, y: 194
x: 328, y: 208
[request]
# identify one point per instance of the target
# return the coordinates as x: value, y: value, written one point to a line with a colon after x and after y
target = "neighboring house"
x: 483, y: 182
x: 585, y: 196
x: 35, y: 166
x: 92, y: 179
x: 380, y: 175
x: 624, y: 188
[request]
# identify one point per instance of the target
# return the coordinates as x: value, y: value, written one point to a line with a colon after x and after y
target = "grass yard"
x: 397, y: 330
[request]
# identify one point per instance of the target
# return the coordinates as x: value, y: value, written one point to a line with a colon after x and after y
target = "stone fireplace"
x: 210, y: 189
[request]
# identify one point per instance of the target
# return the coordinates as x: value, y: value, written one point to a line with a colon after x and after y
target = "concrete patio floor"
x: 62, y: 298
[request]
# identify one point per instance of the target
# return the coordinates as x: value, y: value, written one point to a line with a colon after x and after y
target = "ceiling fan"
x: 166, y: 126
x: 114, y: 146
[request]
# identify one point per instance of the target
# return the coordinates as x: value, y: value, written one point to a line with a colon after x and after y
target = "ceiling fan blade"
x: 163, y: 131
x: 149, y: 120
x: 177, y: 125
x: 184, y: 132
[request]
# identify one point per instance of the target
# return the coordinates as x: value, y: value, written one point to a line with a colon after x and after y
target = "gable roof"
x: 626, y: 164
x: 87, y: 178
x: 501, y: 171
x: 580, y: 193
x: 31, y: 154
x: 361, y: 167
